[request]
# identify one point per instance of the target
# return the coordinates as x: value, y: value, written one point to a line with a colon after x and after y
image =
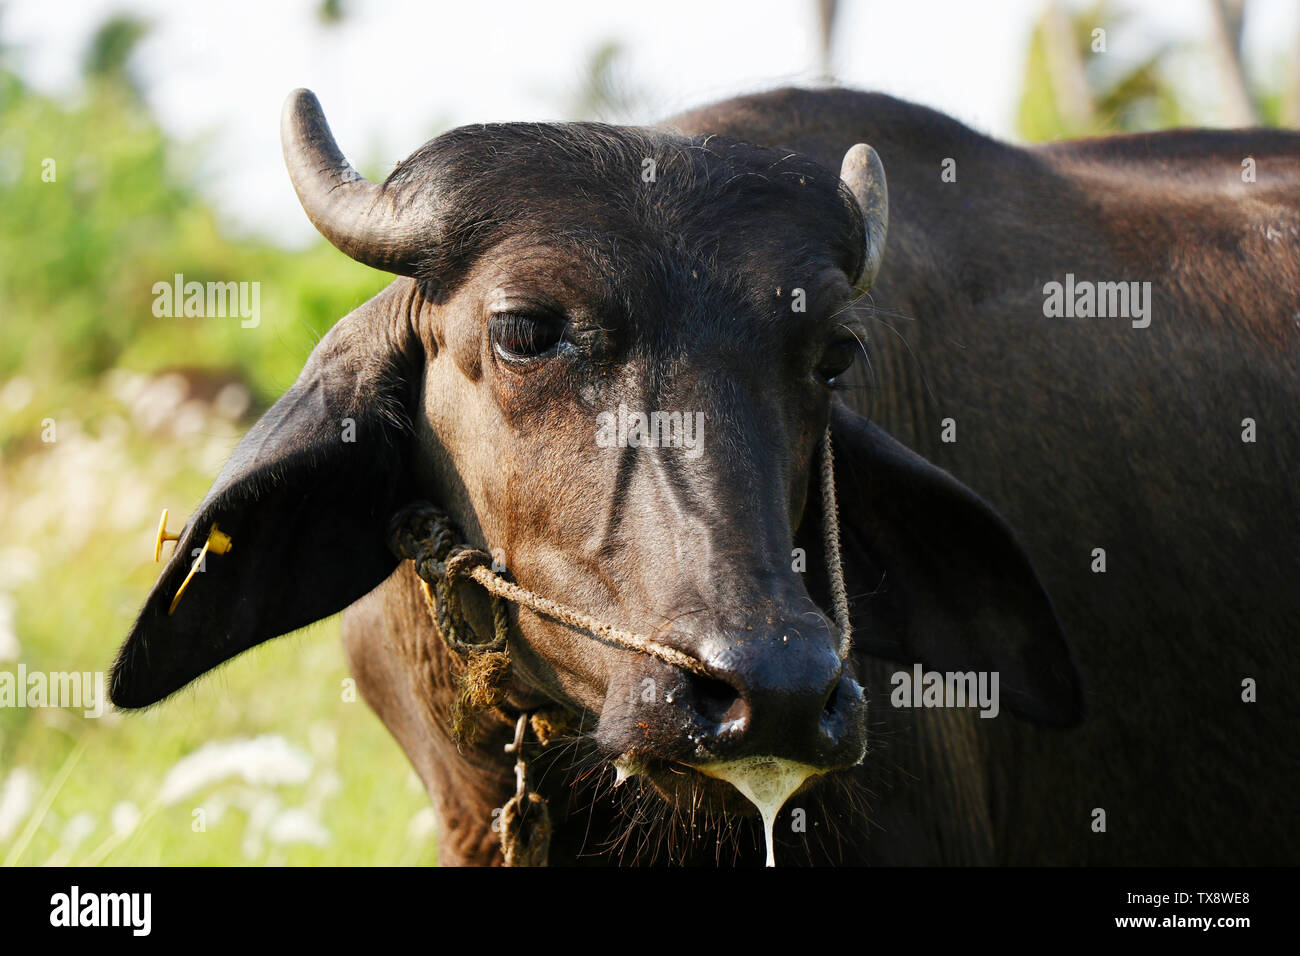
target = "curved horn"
x: 360, y: 218
x: 864, y: 174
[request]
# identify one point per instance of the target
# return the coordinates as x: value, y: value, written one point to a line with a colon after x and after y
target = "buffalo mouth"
x: 710, y: 786
x: 658, y: 808
x: 738, y: 800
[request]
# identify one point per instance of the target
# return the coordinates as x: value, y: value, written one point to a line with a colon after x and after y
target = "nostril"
x: 843, y: 708
x: 714, y: 700
x: 832, y: 702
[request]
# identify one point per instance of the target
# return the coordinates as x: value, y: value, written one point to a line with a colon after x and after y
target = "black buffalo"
x: 1065, y: 340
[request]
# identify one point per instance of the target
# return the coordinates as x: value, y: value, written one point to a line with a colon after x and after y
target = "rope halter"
x: 426, y: 535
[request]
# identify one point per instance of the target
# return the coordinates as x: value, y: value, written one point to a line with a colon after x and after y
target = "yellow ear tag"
x: 163, y: 535
x: 218, y: 543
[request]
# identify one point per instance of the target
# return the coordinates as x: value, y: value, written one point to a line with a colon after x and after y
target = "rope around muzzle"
x: 426, y: 535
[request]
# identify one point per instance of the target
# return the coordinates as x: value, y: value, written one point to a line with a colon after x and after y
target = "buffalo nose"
x: 783, y: 696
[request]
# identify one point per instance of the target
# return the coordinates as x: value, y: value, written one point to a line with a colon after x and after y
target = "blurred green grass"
x: 144, y: 411
x: 76, y: 562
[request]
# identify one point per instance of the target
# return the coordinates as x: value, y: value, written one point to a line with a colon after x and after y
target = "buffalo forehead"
x: 713, y: 198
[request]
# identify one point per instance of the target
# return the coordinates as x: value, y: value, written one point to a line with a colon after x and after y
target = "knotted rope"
x: 426, y: 535
x: 831, y: 541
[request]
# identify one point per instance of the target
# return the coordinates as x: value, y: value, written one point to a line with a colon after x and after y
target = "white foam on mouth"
x: 766, y: 782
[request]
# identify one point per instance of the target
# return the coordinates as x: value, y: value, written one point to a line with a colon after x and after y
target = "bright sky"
x: 397, y: 71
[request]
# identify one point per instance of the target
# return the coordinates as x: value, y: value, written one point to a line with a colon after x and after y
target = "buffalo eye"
x: 522, y: 336
x: 836, y: 359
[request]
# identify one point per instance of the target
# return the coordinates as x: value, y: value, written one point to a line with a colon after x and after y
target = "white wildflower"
x: 157, y: 402
x: 17, y: 394
x: 422, y: 825
x: 18, y: 566
x: 9, y: 646
x: 260, y: 815
x: 15, y: 800
x: 77, y: 829
x: 297, y: 826
x: 269, y: 760
x: 124, y: 817
x: 232, y: 401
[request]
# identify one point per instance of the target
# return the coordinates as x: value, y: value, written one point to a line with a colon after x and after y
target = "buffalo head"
x: 610, y: 357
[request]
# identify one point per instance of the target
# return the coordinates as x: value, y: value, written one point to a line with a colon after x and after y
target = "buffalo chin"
x: 688, y: 788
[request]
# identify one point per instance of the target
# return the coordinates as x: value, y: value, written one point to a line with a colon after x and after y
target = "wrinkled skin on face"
x: 553, y: 287
x: 658, y: 311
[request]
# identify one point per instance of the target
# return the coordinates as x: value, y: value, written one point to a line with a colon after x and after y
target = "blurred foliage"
x: 97, y: 209
x: 98, y: 206
x: 1071, y: 89
x: 331, y: 12
x: 108, y: 56
x: 1081, y: 92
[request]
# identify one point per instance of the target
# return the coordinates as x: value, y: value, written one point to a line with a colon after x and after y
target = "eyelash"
x: 520, y: 337
x: 836, y: 381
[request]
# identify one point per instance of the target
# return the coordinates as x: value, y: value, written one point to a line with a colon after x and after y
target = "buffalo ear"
x: 305, y: 498
x: 938, y: 577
